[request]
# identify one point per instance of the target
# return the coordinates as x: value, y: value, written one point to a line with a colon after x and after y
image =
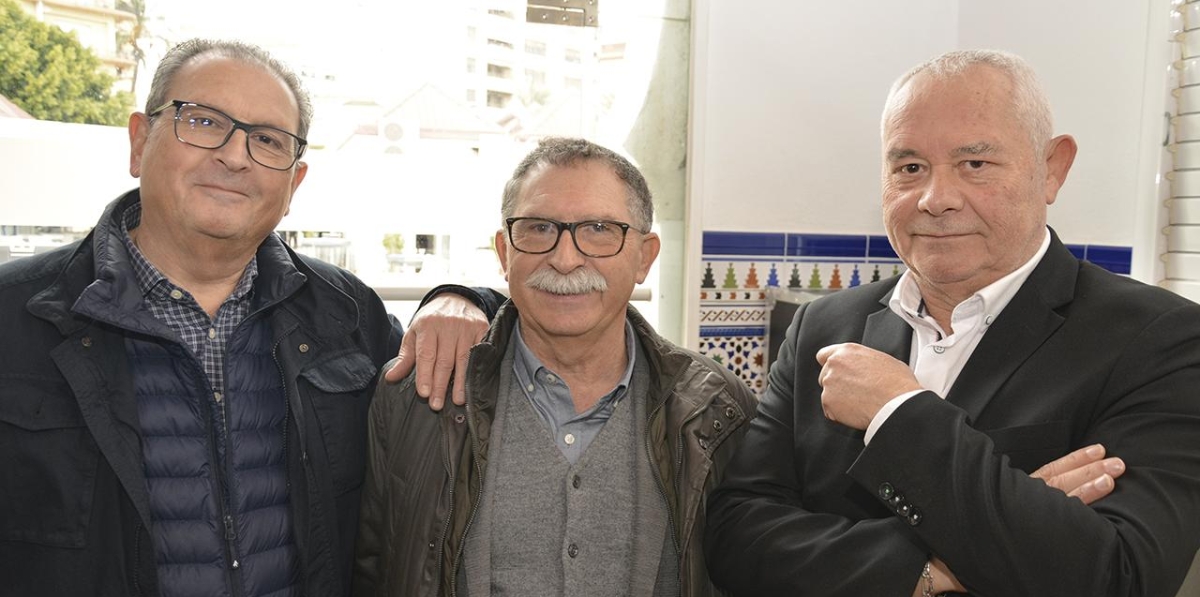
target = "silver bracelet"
x: 928, y: 576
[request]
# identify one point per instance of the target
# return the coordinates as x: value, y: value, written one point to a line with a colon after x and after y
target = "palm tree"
x: 134, y: 36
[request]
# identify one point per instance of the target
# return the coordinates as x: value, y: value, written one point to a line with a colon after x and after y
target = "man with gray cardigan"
x: 580, y: 463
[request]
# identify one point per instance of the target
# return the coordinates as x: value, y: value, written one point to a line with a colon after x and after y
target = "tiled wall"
x: 741, y: 270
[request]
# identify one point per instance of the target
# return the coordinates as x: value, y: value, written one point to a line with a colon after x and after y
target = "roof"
x: 559, y: 118
x: 440, y: 114
x: 11, y: 110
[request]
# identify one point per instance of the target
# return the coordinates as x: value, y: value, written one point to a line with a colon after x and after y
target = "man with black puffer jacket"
x: 183, y: 398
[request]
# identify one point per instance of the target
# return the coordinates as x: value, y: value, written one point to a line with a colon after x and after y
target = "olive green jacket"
x: 426, y: 469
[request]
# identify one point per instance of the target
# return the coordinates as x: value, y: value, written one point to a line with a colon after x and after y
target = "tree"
x: 50, y: 75
x: 133, y: 38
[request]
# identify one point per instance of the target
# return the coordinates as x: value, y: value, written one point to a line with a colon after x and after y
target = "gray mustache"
x: 580, y: 281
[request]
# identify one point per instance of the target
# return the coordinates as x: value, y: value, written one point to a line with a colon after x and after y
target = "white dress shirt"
x: 936, y: 357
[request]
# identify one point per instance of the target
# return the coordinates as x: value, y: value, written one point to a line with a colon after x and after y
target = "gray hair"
x: 568, y: 151
x: 185, y: 52
x: 1029, y: 99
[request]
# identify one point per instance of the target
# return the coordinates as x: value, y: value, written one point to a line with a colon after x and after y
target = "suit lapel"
x: 887, y: 332
x: 1024, y: 325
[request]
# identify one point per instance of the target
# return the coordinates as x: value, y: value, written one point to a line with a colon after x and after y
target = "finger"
x: 426, y: 351
x: 1074, y: 460
x: 1095, y: 489
x: 443, y: 368
x: 404, y: 366
x: 824, y: 354
x: 460, y: 370
x: 1073, y: 480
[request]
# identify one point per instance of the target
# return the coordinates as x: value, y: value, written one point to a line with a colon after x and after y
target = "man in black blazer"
x: 900, y: 449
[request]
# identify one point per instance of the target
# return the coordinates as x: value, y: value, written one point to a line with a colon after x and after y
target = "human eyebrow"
x: 976, y: 149
x: 894, y: 155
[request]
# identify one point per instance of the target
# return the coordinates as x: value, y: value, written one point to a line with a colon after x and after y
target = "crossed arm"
x: 855, y: 399
x: 800, y: 511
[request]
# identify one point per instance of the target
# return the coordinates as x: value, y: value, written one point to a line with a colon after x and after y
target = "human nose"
x: 941, y: 194
x: 235, y: 152
x: 566, y: 256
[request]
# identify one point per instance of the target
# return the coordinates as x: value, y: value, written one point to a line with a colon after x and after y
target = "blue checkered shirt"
x: 176, y: 307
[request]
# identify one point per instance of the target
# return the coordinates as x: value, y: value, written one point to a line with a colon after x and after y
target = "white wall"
x: 787, y: 96
x: 58, y: 174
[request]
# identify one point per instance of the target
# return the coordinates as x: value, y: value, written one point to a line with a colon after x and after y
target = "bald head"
x: 1031, y: 108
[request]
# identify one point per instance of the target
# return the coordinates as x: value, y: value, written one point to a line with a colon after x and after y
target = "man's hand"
x: 438, y: 342
x: 1085, y: 473
x: 857, y: 381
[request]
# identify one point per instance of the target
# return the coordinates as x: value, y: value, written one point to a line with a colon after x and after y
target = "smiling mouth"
x: 222, y: 190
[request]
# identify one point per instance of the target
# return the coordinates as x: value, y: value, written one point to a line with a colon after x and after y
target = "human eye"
x: 204, y: 119
x: 534, y: 227
x: 975, y: 164
x: 908, y: 169
x: 269, y: 140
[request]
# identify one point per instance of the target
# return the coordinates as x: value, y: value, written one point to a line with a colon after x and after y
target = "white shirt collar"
x: 990, y: 300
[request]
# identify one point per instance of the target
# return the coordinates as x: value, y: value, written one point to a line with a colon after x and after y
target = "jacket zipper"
x: 661, y: 485
x: 137, y: 560
x: 478, y: 497
x: 467, y: 529
x: 287, y: 415
x: 223, y: 491
x: 445, y: 528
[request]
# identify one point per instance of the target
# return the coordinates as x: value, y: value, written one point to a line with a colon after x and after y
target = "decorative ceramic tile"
x: 741, y: 269
x: 736, y: 315
x: 743, y: 355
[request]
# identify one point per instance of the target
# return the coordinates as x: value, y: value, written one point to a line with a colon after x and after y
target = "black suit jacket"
x: 1079, y: 356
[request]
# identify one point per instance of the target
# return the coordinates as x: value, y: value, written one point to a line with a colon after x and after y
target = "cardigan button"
x: 86, y: 341
x: 303, y: 347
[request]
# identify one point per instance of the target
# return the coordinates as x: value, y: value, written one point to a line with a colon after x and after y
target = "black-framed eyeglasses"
x: 594, y: 238
x: 209, y: 128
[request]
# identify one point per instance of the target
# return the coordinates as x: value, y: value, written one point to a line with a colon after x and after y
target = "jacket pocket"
x: 48, y: 468
x: 342, y: 387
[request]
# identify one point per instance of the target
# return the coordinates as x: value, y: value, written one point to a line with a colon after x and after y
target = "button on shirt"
x: 205, y: 337
x: 937, y: 358
x: 551, y: 398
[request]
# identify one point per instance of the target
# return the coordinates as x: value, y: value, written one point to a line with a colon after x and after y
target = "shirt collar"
x: 906, y: 300
x: 526, y: 365
x: 152, y: 282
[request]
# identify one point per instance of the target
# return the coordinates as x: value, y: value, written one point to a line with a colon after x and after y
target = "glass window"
x: 535, y: 78
x: 537, y: 48
x: 409, y: 148
x: 500, y: 72
x: 498, y: 99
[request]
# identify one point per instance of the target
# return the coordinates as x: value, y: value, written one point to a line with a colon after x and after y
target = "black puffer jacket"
x: 74, y: 516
